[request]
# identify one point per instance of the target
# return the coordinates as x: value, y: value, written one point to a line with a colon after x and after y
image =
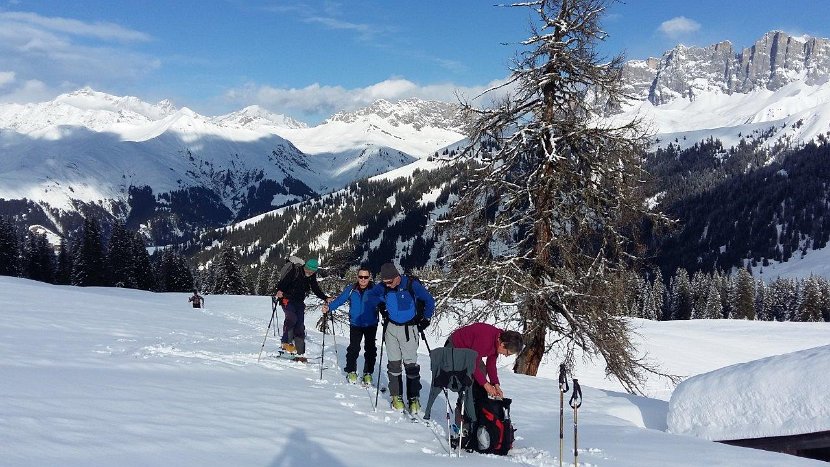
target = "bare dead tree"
x: 547, y: 223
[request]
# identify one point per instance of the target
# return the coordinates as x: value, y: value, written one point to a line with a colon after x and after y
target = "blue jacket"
x: 400, y: 304
x: 362, y: 305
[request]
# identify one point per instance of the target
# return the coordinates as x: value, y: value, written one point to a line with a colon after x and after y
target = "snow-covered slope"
x: 137, y: 378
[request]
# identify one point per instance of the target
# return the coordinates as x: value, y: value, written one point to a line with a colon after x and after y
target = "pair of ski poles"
x: 333, y: 336
x: 274, y: 302
x: 575, y: 402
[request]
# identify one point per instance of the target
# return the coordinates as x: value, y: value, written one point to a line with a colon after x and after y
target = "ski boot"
x: 397, y: 402
x: 367, y: 379
x: 289, y: 347
x: 414, y: 405
x: 351, y: 377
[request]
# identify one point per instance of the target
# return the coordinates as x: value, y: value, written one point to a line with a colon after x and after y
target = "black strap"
x: 576, y: 397
x: 563, y: 379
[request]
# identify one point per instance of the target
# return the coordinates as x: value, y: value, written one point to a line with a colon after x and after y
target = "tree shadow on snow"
x: 302, y: 452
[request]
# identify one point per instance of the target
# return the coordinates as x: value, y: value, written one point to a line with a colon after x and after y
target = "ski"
x: 292, y: 357
x: 432, y: 427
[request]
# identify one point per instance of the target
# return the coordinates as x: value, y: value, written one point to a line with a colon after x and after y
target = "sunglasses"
x: 388, y: 281
x: 362, y: 277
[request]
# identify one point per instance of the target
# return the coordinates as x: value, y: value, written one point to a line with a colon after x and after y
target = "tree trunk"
x: 528, y: 361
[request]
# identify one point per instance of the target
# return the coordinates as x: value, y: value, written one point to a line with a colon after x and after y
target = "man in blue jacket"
x: 363, y: 324
x: 408, y: 309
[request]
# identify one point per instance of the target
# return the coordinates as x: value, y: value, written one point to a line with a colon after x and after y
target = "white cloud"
x: 678, y: 26
x: 317, y: 101
x: 99, y: 30
x: 6, y: 77
x: 61, y: 54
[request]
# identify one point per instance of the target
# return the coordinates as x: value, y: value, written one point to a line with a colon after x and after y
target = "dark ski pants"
x: 370, y: 349
x: 293, y: 328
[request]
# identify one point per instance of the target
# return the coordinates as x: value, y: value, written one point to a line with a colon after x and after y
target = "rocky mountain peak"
x: 773, y: 61
x: 416, y: 112
x: 254, y: 116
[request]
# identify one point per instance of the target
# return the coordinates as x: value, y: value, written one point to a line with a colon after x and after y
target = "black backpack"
x: 290, y: 264
x: 493, y: 432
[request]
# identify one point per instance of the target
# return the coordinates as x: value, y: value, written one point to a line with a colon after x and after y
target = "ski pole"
x: 460, y: 428
x: 563, y: 388
x: 380, y: 363
x: 576, y: 402
x: 334, y: 337
x: 273, y: 312
x: 323, y: 351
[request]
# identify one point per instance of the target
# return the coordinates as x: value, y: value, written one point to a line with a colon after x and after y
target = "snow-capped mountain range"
x: 89, y: 147
x: 690, y: 93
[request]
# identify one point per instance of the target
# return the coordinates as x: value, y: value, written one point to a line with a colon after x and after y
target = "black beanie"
x: 388, y: 271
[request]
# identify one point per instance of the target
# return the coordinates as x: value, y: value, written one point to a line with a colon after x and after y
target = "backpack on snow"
x: 290, y: 265
x: 493, y: 432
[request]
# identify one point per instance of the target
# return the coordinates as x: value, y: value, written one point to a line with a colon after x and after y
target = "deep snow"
x: 94, y: 376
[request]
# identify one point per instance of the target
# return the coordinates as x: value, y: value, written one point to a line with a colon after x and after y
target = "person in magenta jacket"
x: 489, y: 342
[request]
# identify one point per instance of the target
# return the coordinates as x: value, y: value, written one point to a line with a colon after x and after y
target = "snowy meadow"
x: 103, y: 376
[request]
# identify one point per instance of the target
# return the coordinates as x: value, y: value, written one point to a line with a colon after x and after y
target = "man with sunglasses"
x: 291, y: 293
x: 408, y: 309
x: 363, y: 324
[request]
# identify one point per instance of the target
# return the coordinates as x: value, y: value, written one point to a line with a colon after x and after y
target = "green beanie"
x: 311, y: 264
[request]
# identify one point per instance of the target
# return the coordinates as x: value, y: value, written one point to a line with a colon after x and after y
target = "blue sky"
x: 308, y: 59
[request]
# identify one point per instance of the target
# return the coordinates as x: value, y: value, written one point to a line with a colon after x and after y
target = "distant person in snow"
x: 489, y: 342
x: 407, y: 308
x: 291, y: 293
x: 363, y: 324
x: 196, y: 299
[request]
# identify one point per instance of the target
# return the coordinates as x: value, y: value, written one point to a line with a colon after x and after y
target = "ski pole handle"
x: 563, y: 379
x: 576, y: 397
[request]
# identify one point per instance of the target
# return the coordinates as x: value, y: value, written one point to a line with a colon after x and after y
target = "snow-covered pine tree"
x: 681, y: 295
x: 9, y: 249
x: 263, y: 279
x: 173, y: 272
x: 825, y: 298
x: 744, y: 301
x: 145, y: 277
x: 762, y: 300
x: 727, y: 294
x: 550, y: 217
x: 658, y: 293
x: 38, y: 258
x: 700, y: 287
x: 89, y: 265
x: 120, y: 257
x: 229, y: 278
x: 712, y: 307
x: 63, y: 271
x: 809, y: 309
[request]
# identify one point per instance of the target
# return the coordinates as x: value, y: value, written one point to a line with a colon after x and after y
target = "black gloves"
x: 423, y: 324
x: 382, y: 310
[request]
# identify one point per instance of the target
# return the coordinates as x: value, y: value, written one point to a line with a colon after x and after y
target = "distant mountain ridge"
x: 775, y: 60
x: 89, y: 148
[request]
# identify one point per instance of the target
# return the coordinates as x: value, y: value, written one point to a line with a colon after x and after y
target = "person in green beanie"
x: 291, y: 293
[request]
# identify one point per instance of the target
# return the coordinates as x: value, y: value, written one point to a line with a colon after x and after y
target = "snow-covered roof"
x: 775, y: 396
